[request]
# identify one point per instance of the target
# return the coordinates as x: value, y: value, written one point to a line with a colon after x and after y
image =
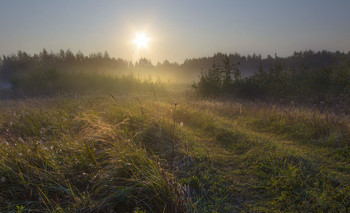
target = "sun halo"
x: 141, y: 40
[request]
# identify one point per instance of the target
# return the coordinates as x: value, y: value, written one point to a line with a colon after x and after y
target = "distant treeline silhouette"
x: 22, y: 63
x: 321, y: 79
x: 67, y: 61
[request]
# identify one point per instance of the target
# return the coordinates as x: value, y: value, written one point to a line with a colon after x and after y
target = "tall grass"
x: 80, y: 164
x: 125, y: 154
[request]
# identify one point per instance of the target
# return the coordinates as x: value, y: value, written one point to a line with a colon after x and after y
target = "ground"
x: 173, y: 153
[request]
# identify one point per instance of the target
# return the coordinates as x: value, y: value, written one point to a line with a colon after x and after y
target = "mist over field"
x: 111, y: 106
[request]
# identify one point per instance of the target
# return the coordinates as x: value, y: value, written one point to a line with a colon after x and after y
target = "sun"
x: 141, y: 40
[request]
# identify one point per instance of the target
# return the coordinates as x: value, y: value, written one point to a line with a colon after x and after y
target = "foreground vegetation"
x: 148, y: 153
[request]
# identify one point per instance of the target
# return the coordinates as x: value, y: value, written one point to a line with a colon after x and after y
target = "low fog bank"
x: 66, y: 61
x: 51, y: 73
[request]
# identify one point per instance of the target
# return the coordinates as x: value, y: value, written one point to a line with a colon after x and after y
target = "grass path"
x: 237, y: 148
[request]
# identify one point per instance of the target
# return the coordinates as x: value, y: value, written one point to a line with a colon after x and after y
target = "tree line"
x: 321, y: 80
x: 67, y: 61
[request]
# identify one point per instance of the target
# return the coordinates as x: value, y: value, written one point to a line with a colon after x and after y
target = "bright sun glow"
x: 141, y: 40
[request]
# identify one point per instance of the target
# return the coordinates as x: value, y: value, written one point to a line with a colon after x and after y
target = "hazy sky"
x: 178, y: 29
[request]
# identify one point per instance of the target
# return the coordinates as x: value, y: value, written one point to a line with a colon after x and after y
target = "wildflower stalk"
x: 173, y: 139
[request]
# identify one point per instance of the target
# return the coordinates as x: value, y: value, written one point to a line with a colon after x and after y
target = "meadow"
x: 174, y: 106
x: 170, y: 152
x: 73, y: 141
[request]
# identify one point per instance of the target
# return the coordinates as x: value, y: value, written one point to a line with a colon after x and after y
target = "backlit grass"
x: 97, y: 154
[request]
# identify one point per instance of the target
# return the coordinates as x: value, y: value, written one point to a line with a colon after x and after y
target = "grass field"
x: 101, y: 153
